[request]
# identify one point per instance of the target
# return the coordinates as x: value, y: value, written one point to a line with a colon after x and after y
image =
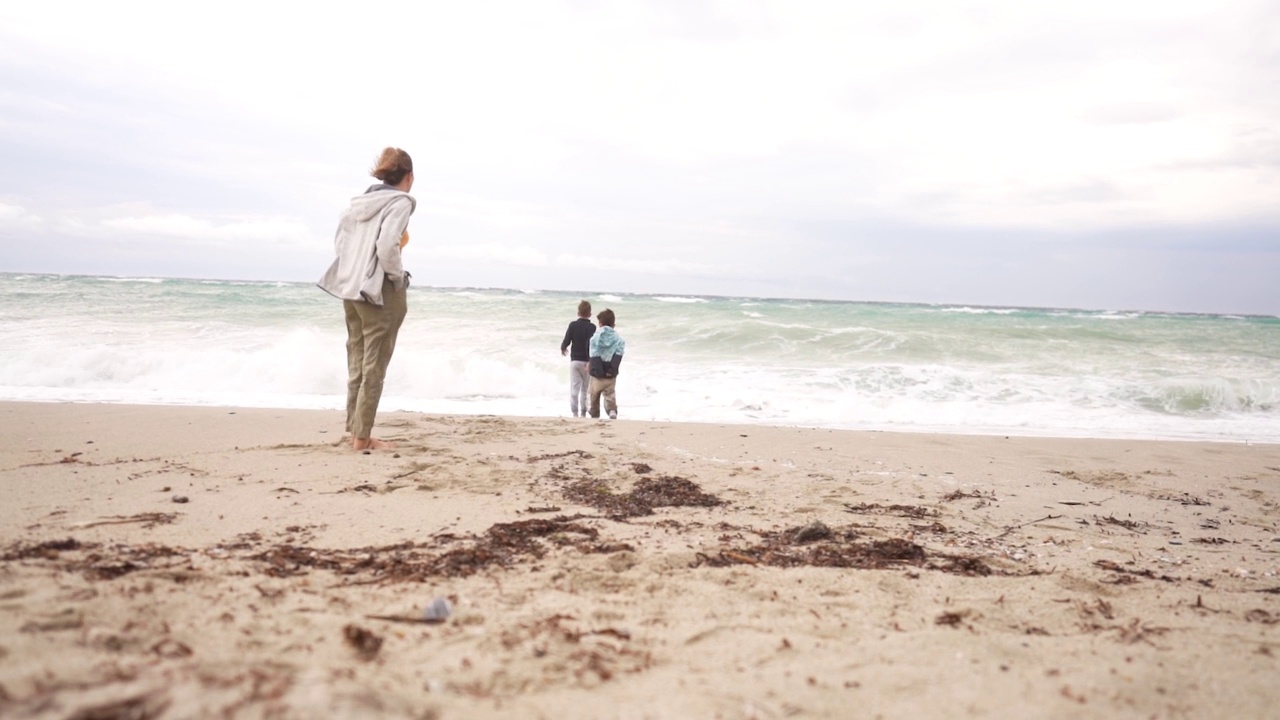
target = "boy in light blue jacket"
x: 607, y: 347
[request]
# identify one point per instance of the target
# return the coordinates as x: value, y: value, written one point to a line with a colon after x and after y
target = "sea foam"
x: 788, y: 362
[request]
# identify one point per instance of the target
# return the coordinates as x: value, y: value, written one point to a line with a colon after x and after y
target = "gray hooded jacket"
x: 367, y: 245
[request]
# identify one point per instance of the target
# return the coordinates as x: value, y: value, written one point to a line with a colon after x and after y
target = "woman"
x: 368, y: 277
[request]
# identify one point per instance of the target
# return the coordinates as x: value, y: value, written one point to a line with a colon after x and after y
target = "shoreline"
x: 625, y: 569
x: 920, y: 430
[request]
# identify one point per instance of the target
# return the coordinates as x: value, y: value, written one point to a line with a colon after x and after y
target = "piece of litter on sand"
x: 438, y: 611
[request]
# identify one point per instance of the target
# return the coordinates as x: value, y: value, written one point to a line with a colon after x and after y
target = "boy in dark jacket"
x: 578, y: 335
x: 607, y: 347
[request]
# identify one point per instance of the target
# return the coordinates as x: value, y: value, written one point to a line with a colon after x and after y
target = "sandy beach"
x: 180, y: 562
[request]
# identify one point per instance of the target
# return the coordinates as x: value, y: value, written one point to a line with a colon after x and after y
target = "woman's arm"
x: 395, y: 222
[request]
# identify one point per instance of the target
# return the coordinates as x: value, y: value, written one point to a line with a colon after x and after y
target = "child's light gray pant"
x: 578, y: 378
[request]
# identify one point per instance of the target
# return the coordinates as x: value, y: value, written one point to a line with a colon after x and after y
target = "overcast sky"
x: 1117, y: 154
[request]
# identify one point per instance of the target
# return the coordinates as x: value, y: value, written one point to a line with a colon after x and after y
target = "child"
x: 607, y: 347
x: 578, y: 334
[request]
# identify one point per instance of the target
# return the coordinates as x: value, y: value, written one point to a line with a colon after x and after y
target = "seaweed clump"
x: 817, y: 545
x: 645, y: 495
x: 502, y: 545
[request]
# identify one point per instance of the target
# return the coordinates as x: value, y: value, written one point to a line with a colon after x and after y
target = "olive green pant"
x: 605, y: 387
x: 371, y: 338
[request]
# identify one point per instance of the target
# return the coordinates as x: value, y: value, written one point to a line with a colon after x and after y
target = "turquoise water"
x: 1031, y: 371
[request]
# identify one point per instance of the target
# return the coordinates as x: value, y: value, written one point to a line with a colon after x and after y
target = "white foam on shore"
x: 908, y: 368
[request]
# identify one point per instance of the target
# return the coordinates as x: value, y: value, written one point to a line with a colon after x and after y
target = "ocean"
x: 738, y: 360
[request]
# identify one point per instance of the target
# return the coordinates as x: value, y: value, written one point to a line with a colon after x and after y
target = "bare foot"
x: 370, y: 444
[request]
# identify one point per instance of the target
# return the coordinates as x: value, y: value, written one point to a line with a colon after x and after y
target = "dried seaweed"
x: 1132, y: 525
x: 502, y: 545
x: 1117, y: 568
x: 647, y: 494
x: 553, y: 456
x: 47, y: 550
x: 1184, y: 499
x: 364, y: 642
x: 816, y: 545
x: 148, y: 519
x: 590, y: 655
x: 908, y: 511
x: 138, y: 707
x: 951, y: 619
x: 1137, y: 631
x: 1095, y: 478
x: 976, y: 495
x: 119, y: 560
x: 963, y: 565
x: 100, y: 562
x: 934, y: 527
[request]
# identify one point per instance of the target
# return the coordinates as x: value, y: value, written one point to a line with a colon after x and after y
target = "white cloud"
x: 985, y: 103
x: 16, y: 216
x: 521, y: 255
x: 715, y: 139
x: 505, y: 214
x: 1130, y: 112
x: 608, y: 260
x: 669, y: 267
x: 255, y: 230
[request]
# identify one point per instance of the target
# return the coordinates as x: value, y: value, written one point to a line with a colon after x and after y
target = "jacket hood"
x: 606, y: 342
x: 367, y: 206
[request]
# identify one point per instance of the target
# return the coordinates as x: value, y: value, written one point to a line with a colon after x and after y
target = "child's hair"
x: 393, y: 164
x: 584, y: 309
x: 606, y: 317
